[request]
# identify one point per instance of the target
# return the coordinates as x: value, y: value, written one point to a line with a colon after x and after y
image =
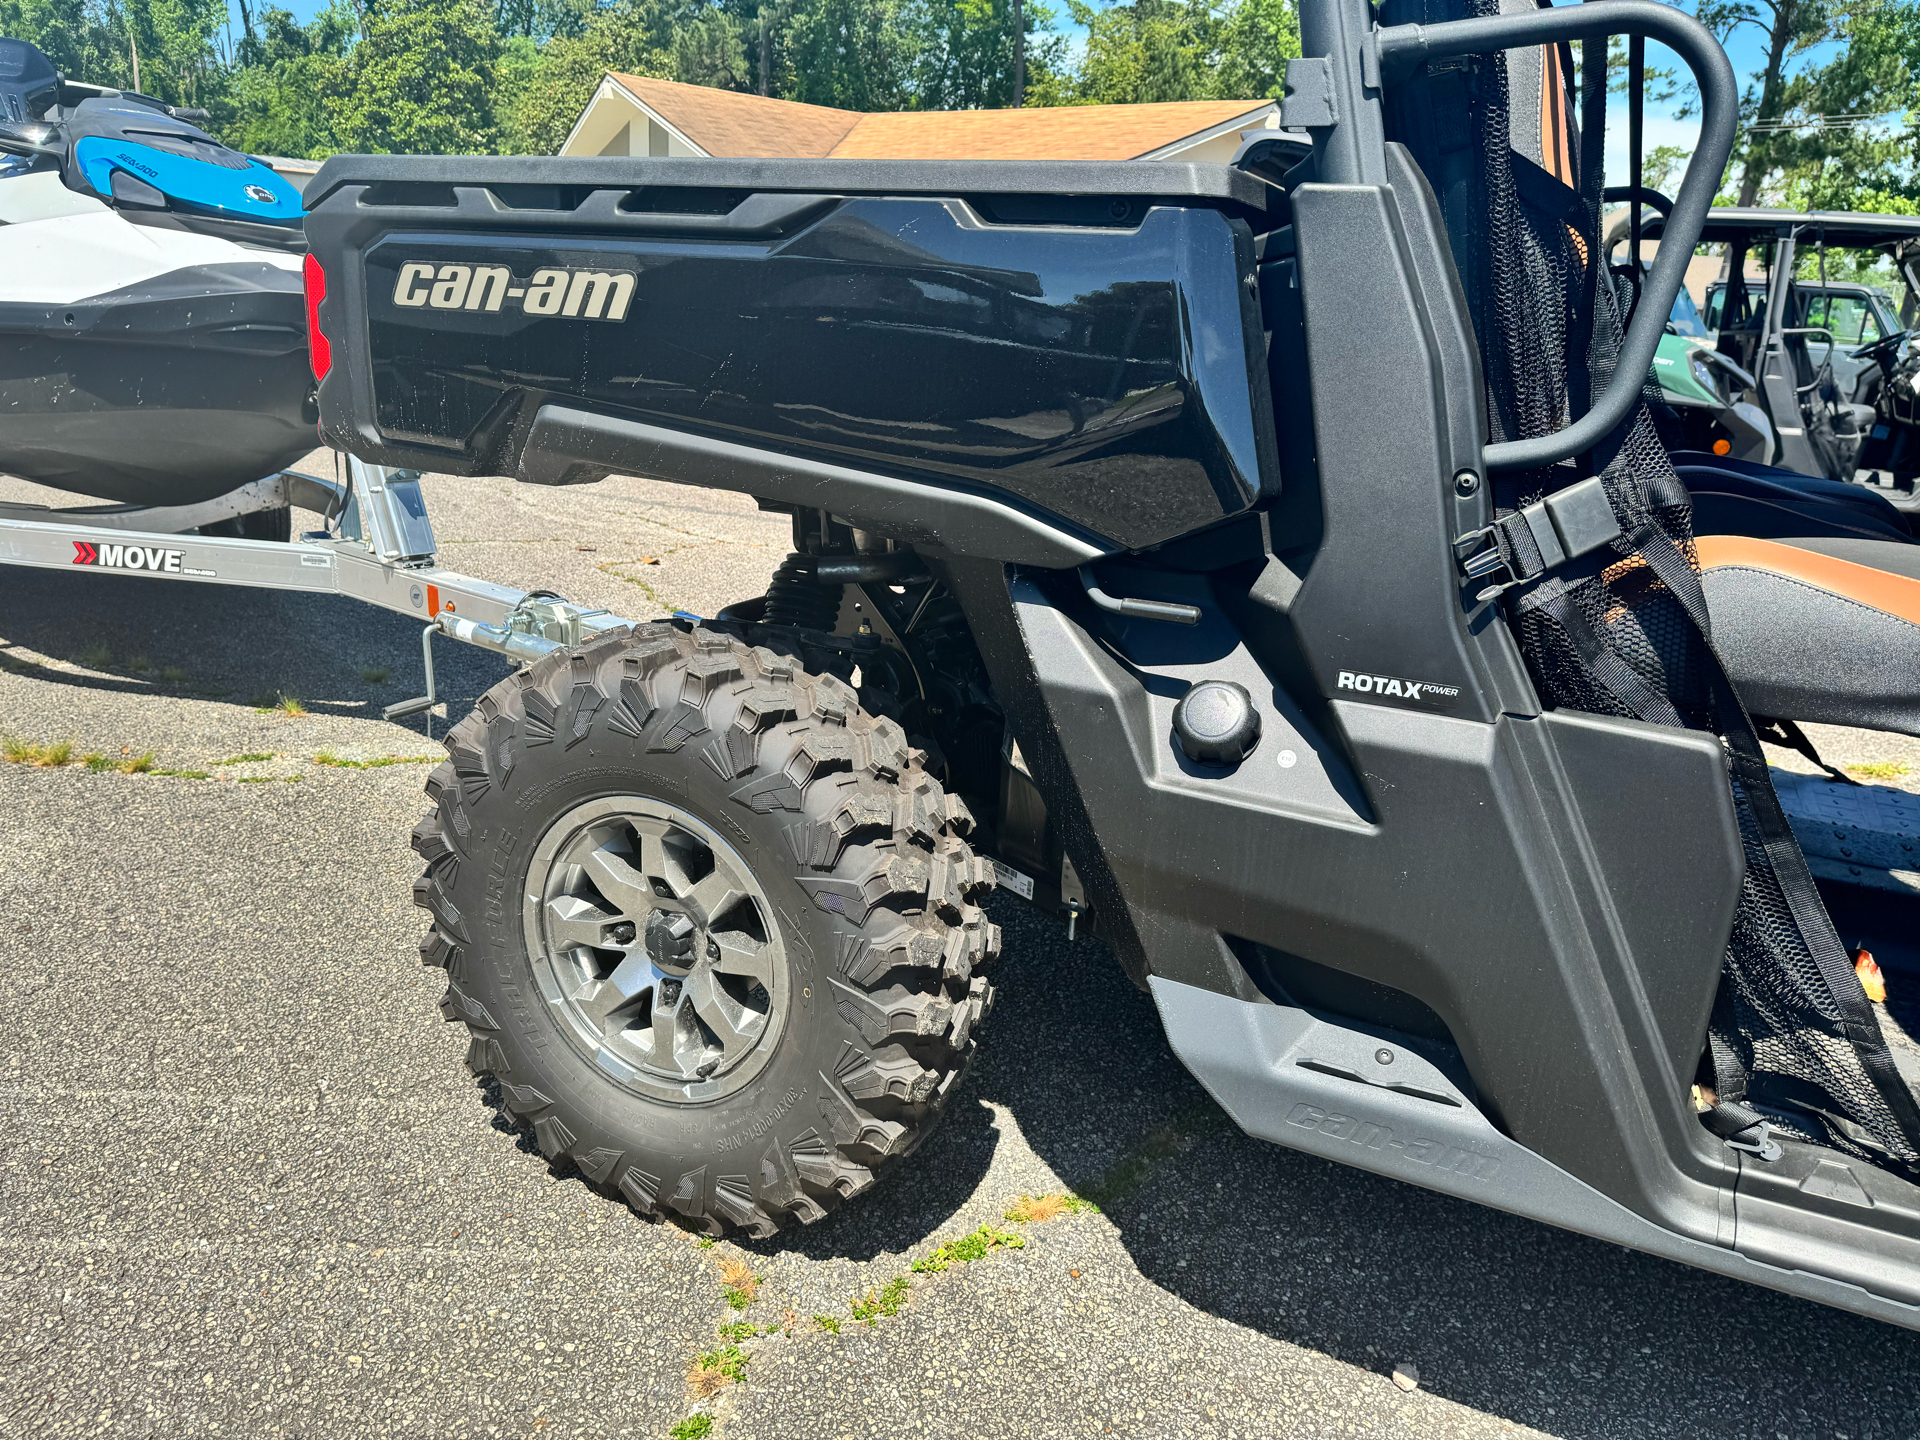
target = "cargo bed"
x: 1078, y: 344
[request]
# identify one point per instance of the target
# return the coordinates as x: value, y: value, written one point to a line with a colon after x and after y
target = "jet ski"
x: 152, y: 327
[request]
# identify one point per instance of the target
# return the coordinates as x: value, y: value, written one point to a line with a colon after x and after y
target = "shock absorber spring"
x: 795, y: 596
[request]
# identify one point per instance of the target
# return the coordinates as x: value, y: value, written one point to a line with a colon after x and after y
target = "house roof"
x: 729, y: 123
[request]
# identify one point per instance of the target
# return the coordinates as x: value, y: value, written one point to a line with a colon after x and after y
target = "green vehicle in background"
x: 1709, y: 394
x: 1828, y: 363
x: 1711, y: 400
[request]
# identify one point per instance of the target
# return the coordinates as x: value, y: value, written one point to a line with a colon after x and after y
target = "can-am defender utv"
x: 1798, y: 367
x: 1270, y: 566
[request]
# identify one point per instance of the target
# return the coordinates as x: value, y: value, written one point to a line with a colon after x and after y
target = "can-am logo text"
x: 585, y: 294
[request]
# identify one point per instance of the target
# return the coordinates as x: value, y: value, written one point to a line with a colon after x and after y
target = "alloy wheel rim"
x: 655, y: 948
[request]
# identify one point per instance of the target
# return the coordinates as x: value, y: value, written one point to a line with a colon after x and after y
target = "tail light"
x: 320, y: 352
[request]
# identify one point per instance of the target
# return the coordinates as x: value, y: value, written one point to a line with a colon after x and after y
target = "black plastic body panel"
x: 1844, y: 1234
x: 1111, y: 374
x: 566, y: 444
x: 1434, y: 832
x: 1362, y: 866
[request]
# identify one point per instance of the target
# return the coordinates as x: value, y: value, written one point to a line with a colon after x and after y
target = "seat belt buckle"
x: 1483, y: 563
x: 1538, y: 538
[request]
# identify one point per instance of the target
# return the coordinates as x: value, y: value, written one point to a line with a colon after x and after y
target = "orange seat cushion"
x: 1898, y: 595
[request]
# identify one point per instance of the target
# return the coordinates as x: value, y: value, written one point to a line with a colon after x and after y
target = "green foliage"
x: 1147, y: 51
x: 708, y: 48
x: 728, y: 1362
x: 1661, y: 168
x: 419, y: 81
x: 850, y: 54
x: 75, y: 34
x: 631, y: 38
x: 1828, y: 116
x: 964, y: 53
x: 695, y: 1428
x: 971, y: 1247
x: 1832, y: 132
x: 456, y: 76
x: 1261, y: 36
x: 274, y: 104
x: 887, y: 1301
x: 1856, y: 166
x: 170, y: 43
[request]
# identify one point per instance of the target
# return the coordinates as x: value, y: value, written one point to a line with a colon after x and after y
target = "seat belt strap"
x: 1536, y: 539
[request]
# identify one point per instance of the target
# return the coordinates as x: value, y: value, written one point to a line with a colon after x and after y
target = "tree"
x: 73, y: 34
x: 851, y: 54
x: 419, y: 81
x: 965, y: 52
x: 710, y: 49
x: 1261, y: 37
x: 274, y: 104
x: 1143, y: 51
x: 1791, y: 28
x: 1662, y: 164
x: 1838, y: 148
x: 541, y: 20
x: 631, y: 38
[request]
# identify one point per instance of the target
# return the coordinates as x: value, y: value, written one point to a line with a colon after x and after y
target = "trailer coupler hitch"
x: 538, y: 625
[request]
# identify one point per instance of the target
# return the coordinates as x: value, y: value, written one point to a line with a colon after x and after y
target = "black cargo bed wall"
x: 1081, y: 343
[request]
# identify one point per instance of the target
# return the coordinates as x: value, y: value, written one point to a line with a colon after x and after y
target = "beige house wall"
x: 615, y: 123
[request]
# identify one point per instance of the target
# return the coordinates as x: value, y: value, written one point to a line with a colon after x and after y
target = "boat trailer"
x: 377, y: 546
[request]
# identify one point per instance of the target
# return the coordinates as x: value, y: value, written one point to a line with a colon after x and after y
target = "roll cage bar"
x: 1334, y: 91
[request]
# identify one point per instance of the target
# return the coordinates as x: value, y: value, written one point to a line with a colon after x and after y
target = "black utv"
x: 1271, y: 567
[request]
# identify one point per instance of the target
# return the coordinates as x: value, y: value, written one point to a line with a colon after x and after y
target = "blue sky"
x: 1746, y: 50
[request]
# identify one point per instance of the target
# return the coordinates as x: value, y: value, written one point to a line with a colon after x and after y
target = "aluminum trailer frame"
x: 378, y: 548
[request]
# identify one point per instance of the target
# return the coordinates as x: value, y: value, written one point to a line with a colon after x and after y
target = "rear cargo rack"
x: 437, y: 183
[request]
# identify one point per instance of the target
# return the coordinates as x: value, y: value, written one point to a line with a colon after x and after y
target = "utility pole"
x: 133, y: 46
x: 765, y: 66
x: 1020, y: 56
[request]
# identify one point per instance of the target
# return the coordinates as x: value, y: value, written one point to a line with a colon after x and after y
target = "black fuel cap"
x: 1216, y: 722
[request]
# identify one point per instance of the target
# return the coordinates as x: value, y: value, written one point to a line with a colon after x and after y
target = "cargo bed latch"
x: 1537, y: 538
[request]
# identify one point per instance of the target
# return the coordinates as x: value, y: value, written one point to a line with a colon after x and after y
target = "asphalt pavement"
x: 249, y: 1188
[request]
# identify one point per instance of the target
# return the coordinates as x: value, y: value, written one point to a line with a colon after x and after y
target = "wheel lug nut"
x: 623, y: 934
x: 713, y: 949
x: 670, y: 993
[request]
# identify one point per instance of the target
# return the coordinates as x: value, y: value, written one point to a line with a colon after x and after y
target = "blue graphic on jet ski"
x: 217, y: 185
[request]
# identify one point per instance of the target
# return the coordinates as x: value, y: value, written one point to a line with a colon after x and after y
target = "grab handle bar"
x: 1404, y: 47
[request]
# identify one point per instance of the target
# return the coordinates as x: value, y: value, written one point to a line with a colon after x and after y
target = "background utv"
x: 1272, y: 566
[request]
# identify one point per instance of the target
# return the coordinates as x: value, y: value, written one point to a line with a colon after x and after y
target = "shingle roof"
x: 728, y: 123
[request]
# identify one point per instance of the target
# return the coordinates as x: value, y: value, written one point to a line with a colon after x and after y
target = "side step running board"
x: 1288, y: 1076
